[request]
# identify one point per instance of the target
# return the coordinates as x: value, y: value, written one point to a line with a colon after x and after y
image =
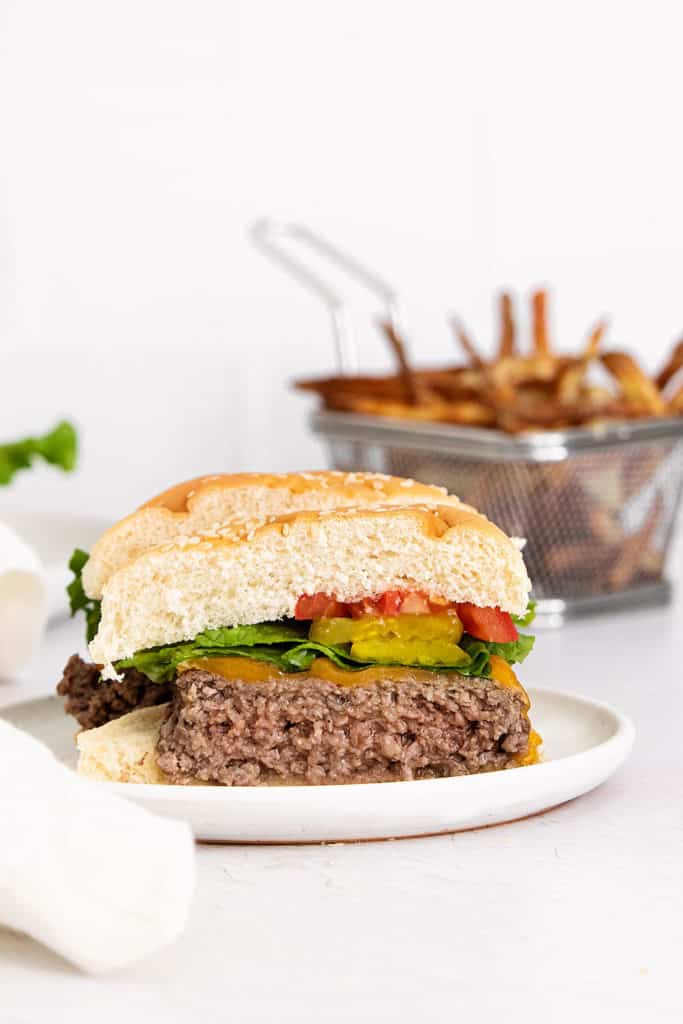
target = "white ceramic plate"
x: 54, y: 537
x: 585, y: 742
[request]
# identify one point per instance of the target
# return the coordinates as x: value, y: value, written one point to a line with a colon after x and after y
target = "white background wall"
x: 457, y: 146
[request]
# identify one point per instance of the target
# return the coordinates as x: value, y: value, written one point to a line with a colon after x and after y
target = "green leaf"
x: 246, y: 636
x: 78, y: 599
x: 260, y: 642
x: 58, y: 448
x: 513, y: 652
x: 286, y: 646
x: 529, y: 615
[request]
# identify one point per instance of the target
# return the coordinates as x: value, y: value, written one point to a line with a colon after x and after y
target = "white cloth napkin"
x: 98, y: 879
x: 23, y: 601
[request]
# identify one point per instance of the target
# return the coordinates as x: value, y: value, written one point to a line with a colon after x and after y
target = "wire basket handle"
x: 273, y: 237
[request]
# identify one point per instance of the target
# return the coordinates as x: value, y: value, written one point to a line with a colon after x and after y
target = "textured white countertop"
x: 576, y: 914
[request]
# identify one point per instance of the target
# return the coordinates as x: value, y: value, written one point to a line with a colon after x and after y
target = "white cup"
x: 23, y: 602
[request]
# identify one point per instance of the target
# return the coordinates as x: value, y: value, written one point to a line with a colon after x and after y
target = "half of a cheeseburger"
x: 342, y: 646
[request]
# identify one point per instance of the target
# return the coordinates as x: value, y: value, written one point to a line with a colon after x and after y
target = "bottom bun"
x: 124, y: 750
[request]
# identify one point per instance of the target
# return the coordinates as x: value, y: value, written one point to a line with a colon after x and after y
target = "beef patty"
x: 309, y: 730
x: 94, y: 703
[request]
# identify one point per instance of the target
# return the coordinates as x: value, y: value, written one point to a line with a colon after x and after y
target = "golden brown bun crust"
x: 377, y: 487
x: 432, y: 520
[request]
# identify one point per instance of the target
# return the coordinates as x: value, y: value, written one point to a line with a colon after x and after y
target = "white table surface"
x: 576, y: 914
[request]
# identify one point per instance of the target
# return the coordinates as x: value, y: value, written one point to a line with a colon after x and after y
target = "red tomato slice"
x: 390, y: 603
x: 320, y: 606
x: 484, y: 623
x: 368, y: 606
x: 414, y: 603
x: 490, y: 624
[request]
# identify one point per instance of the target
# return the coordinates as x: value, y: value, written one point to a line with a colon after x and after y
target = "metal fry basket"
x: 597, y: 505
x: 597, y: 508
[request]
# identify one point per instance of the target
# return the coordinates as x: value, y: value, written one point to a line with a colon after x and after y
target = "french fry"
x: 547, y: 414
x: 604, y: 525
x: 651, y: 563
x: 473, y: 413
x: 331, y: 388
x: 673, y: 364
x: 570, y: 380
x: 413, y: 394
x: 581, y: 554
x: 506, y: 345
x: 631, y: 551
x: 675, y: 403
x: 466, y: 343
x: 636, y: 387
x: 452, y: 385
x: 539, y: 304
x: 500, y: 387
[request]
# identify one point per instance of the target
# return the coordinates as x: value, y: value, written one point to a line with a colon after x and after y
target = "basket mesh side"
x: 596, y: 523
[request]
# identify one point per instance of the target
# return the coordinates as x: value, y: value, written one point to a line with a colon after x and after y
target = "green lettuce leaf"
x: 285, y: 632
x: 262, y: 642
x: 529, y: 615
x: 513, y: 652
x: 78, y: 599
x: 286, y: 646
x: 58, y: 448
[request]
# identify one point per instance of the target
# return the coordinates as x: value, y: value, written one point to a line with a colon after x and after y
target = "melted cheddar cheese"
x: 247, y: 671
x: 533, y: 750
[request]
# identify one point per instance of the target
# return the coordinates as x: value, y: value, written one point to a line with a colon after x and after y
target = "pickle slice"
x: 334, y: 631
x: 444, y: 626
x: 409, y: 652
x: 409, y: 639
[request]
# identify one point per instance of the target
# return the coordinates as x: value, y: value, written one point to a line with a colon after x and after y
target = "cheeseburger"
x: 346, y: 643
